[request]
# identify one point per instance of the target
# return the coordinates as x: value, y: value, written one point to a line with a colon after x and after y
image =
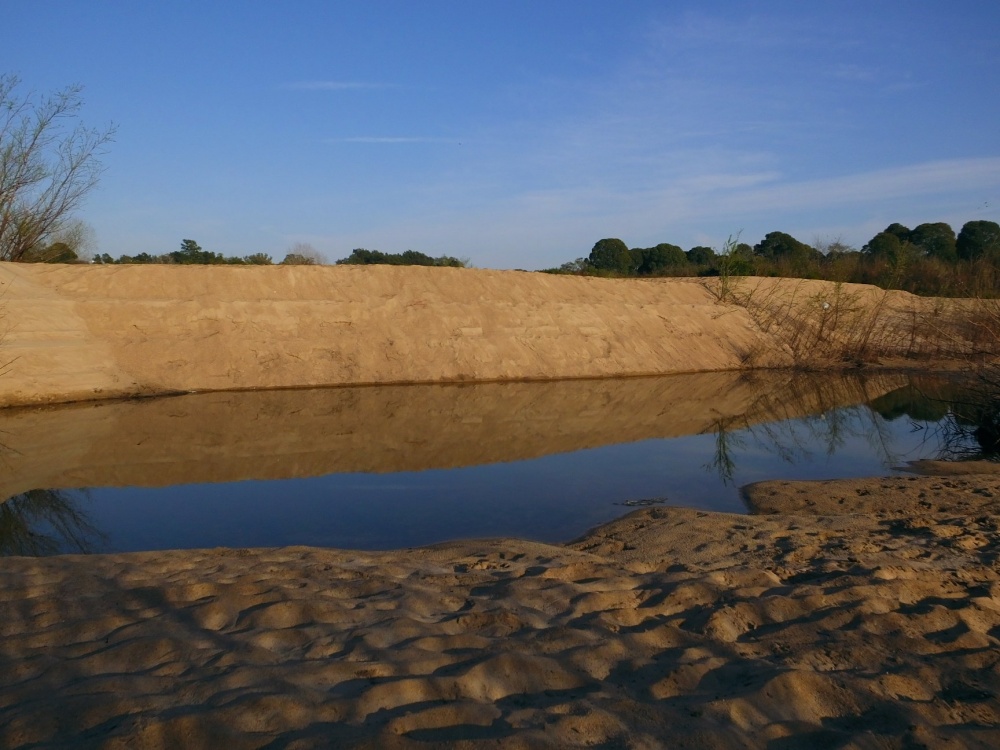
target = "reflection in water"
x: 46, y: 522
x: 956, y: 419
x: 800, y: 441
x: 228, y: 437
x: 727, y: 441
x: 971, y: 430
x: 404, y: 466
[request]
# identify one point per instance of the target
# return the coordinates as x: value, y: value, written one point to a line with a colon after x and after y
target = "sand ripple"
x: 834, y: 618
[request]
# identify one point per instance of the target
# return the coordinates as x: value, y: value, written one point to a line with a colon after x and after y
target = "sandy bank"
x: 85, y: 332
x: 813, y: 625
x: 91, y: 331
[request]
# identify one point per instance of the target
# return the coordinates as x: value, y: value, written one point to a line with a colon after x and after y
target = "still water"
x: 404, y: 466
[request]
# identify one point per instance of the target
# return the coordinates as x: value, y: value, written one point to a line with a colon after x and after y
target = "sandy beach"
x: 860, y: 613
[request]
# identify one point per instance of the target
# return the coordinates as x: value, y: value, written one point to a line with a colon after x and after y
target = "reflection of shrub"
x: 45, y: 522
x: 975, y: 420
x: 911, y: 402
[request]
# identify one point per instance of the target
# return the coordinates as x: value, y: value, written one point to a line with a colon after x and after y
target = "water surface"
x: 403, y: 466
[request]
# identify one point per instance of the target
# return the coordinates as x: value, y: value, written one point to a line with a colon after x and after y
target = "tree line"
x: 361, y: 257
x: 930, y: 259
x: 191, y: 253
x: 301, y: 254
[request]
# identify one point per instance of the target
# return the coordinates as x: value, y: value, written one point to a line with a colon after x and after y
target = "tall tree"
x: 611, y: 254
x: 935, y: 240
x: 649, y: 260
x: 901, y: 232
x: 701, y: 255
x: 47, y: 165
x: 979, y: 239
x: 781, y: 246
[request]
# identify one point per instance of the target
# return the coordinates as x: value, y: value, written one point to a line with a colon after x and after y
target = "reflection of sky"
x: 554, y: 498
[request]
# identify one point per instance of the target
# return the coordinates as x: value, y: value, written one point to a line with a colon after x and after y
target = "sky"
x: 517, y: 134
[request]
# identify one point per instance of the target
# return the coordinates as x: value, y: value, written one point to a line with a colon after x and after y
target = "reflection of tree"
x: 46, y: 522
x: 972, y: 427
x: 726, y: 439
x: 774, y: 425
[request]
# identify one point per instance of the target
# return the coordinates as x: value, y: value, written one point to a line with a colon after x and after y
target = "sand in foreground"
x: 845, y: 614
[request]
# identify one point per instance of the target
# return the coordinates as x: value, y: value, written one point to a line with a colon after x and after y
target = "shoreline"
x: 859, y: 625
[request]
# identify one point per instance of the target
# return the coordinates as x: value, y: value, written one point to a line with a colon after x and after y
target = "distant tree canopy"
x: 190, y: 253
x: 299, y: 254
x: 936, y: 241
x: 611, y: 255
x: 979, y: 239
x: 361, y: 257
x: 780, y: 246
x: 650, y: 260
x: 886, y: 245
x: 900, y: 232
x: 929, y: 259
x: 700, y: 255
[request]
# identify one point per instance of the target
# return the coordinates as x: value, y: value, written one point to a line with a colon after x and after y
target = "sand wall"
x: 83, y: 332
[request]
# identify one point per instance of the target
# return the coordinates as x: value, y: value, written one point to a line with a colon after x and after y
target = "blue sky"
x: 517, y: 134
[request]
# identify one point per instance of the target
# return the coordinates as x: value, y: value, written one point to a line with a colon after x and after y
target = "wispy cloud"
x: 336, y: 85
x: 390, y: 139
x: 879, y: 185
x: 853, y: 72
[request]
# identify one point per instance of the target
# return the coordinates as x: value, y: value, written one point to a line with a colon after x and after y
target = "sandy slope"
x: 86, y: 332
x: 818, y: 624
x: 75, y: 332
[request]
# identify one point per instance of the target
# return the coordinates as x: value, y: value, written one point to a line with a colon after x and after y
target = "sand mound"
x: 809, y: 627
x: 84, y: 332
x: 90, y: 332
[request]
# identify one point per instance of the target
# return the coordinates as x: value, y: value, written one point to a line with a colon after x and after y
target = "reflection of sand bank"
x: 874, y: 627
x: 218, y: 437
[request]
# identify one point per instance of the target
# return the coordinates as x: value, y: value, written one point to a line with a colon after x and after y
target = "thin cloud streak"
x: 389, y: 139
x: 336, y: 85
x: 880, y: 185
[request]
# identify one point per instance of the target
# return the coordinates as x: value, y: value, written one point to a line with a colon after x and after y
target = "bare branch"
x: 47, y: 165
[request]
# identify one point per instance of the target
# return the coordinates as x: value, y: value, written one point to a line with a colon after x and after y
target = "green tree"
x: 935, y: 240
x: 979, y: 239
x: 611, y: 254
x: 899, y: 231
x: 47, y: 165
x: 362, y: 257
x: 191, y: 253
x: 884, y: 245
x: 780, y: 246
x: 700, y: 255
x: 651, y: 260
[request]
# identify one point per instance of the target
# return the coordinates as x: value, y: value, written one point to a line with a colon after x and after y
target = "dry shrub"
x: 822, y: 324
